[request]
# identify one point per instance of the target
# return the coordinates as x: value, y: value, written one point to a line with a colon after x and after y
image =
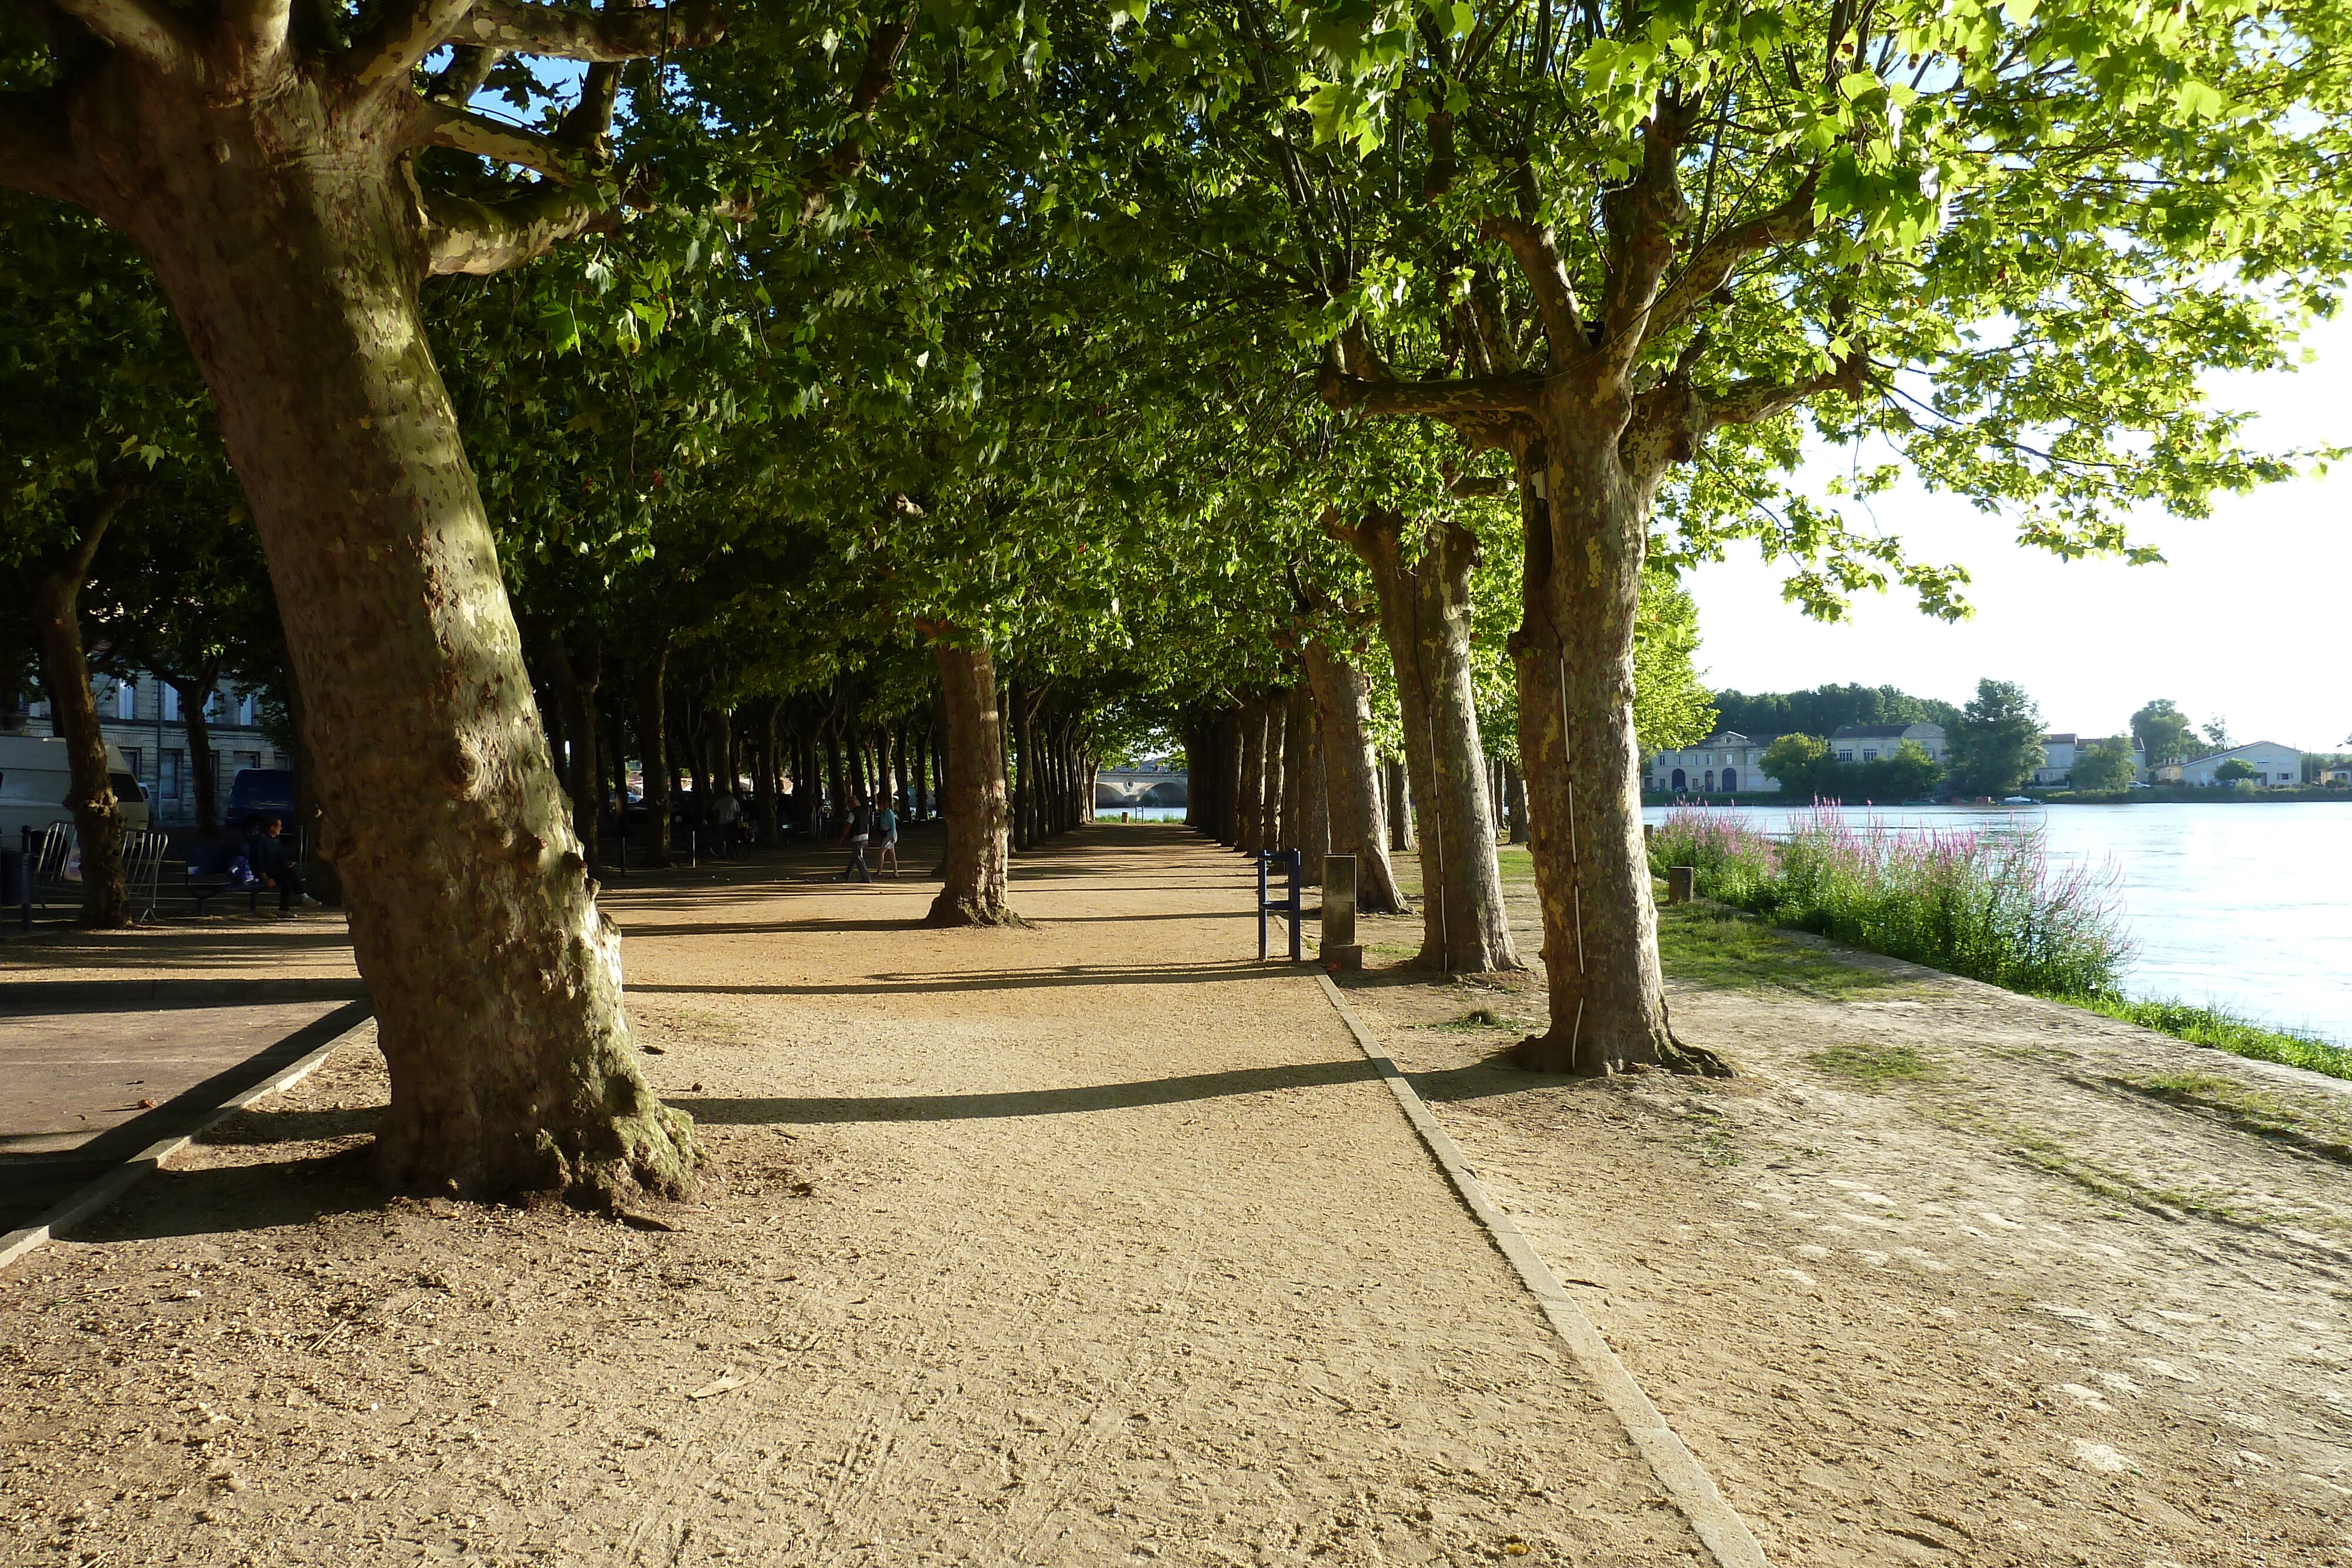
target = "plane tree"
x: 1638, y: 248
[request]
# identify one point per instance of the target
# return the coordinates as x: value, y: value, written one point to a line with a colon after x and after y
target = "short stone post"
x: 1681, y: 883
x: 1339, y: 951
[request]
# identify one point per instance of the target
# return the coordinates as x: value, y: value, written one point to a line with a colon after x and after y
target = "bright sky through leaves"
x: 2247, y: 620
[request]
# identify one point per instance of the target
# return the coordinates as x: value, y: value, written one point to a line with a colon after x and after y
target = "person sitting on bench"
x: 265, y: 851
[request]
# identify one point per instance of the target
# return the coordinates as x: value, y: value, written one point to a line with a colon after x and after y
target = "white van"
x: 35, y: 778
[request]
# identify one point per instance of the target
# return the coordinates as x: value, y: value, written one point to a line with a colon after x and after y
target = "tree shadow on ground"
x: 1005, y: 1104
x: 273, y: 1194
x: 889, y: 983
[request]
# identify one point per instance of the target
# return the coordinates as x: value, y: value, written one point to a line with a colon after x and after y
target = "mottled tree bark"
x: 1230, y: 774
x: 978, y: 817
x: 1343, y: 705
x: 65, y: 671
x: 1249, y: 836
x: 1294, y: 751
x: 1314, y: 808
x: 1425, y: 613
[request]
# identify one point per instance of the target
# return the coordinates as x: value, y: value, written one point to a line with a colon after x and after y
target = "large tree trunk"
x: 288, y: 237
x: 652, y: 746
x: 65, y: 671
x: 1586, y: 529
x: 1231, y: 777
x: 1314, y: 834
x: 1396, y: 800
x: 579, y: 670
x: 1343, y: 704
x: 320, y: 879
x: 1249, y: 836
x: 1425, y: 620
x: 979, y: 850
x: 203, y: 767
x: 766, y: 789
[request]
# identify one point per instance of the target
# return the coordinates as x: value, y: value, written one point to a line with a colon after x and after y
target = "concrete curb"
x: 95, y: 1196
x: 1720, y: 1530
x: 175, y: 992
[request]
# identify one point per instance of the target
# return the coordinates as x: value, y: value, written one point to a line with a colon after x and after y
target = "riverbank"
x: 1946, y: 1273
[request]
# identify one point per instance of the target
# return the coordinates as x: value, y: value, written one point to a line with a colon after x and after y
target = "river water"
x: 2246, y: 906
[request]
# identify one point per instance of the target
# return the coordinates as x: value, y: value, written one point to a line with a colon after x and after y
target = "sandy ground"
x: 1947, y: 1274
x: 1087, y: 1243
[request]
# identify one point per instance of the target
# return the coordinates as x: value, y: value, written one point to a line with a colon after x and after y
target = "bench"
x: 207, y: 875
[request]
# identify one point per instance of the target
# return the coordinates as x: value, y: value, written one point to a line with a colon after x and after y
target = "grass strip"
x: 2221, y: 1030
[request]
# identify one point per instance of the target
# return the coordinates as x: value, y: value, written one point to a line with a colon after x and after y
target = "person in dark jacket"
x: 857, y: 829
x: 268, y: 853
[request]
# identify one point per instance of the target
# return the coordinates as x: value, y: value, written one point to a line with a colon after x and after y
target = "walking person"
x: 885, y: 833
x: 857, y: 828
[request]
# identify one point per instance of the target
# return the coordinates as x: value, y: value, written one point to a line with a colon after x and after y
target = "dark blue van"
x: 260, y: 791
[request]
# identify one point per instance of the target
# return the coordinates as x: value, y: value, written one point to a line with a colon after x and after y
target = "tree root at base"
x: 1550, y: 1053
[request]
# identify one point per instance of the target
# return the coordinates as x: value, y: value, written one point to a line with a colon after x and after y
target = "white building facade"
x: 1725, y: 763
x: 1878, y: 742
x: 2275, y: 766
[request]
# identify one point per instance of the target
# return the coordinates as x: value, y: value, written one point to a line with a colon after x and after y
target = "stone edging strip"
x: 1723, y: 1532
x: 98, y: 1194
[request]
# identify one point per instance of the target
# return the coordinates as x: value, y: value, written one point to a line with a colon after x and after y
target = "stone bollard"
x: 1339, y: 951
x: 1649, y: 835
x: 1681, y: 883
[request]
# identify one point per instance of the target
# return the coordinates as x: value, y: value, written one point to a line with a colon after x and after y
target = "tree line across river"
x: 1049, y: 375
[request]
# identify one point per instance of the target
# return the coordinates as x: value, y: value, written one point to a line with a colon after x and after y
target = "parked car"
x: 260, y: 791
x: 35, y: 777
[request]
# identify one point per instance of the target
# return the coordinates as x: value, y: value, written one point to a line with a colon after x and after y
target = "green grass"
x: 1873, y: 1067
x: 2224, y: 1030
x: 1712, y: 946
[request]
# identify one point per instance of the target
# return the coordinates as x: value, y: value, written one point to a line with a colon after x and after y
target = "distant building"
x: 2061, y: 752
x: 2337, y: 775
x: 2275, y: 766
x: 1725, y: 763
x: 141, y: 715
x: 1870, y: 742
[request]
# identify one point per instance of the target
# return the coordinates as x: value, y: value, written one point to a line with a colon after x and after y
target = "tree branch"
x: 1746, y: 401
x: 625, y: 35
x: 461, y: 130
x: 879, y: 75
x: 1786, y: 223
x: 1538, y: 251
x: 37, y: 152
x: 255, y: 30
x: 1642, y: 217
x: 469, y: 67
x: 398, y: 44
x: 1433, y: 400
x: 477, y: 237
x: 148, y: 32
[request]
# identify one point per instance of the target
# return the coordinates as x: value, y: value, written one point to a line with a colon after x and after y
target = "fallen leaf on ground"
x: 718, y: 1385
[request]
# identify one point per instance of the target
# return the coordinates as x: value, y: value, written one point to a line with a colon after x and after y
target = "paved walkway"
x: 1096, y: 1242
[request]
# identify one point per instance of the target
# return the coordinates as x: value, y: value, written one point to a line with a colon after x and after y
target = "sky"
x: 2245, y: 620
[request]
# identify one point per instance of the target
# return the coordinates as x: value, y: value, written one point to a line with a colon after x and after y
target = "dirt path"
x: 1089, y: 1243
x: 1947, y: 1275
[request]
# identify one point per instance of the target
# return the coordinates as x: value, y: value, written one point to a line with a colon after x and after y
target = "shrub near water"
x: 1986, y: 905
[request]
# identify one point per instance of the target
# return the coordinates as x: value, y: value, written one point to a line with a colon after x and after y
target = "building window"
x: 167, y: 774
x: 244, y: 709
x: 132, y: 756
x: 171, y: 706
x: 1868, y: 755
x: 1711, y: 781
x: 1730, y: 781
x: 1678, y: 783
x: 1845, y: 756
x: 126, y: 702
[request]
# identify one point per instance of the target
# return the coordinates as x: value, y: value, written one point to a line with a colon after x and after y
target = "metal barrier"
x: 1288, y: 859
